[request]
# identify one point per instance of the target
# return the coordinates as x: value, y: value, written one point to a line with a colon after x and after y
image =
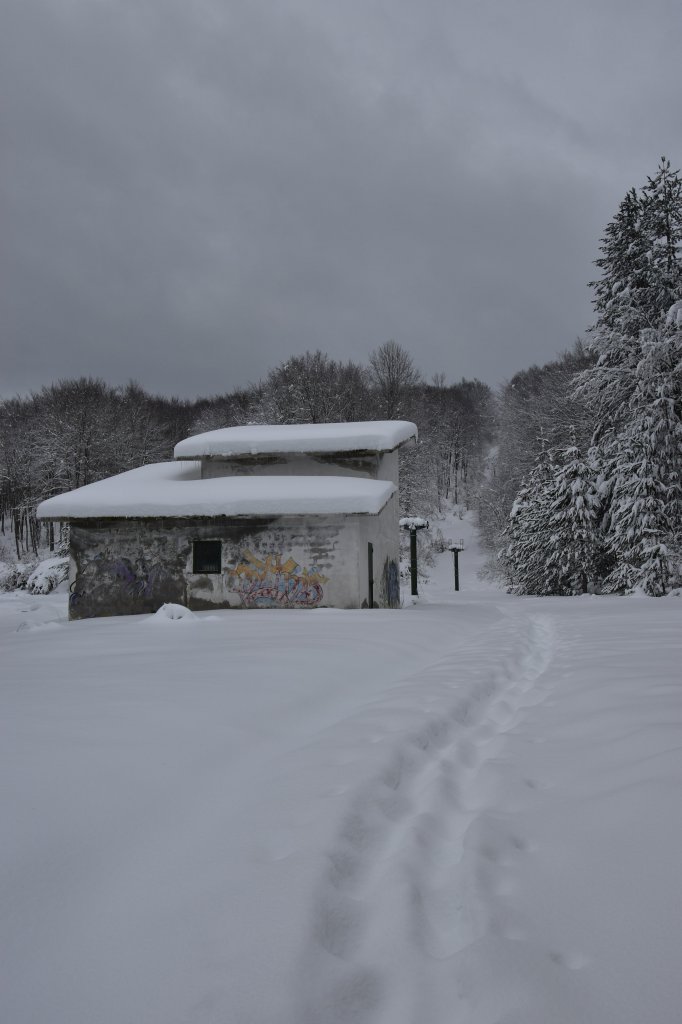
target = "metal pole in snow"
x: 456, y: 548
x: 413, y: 523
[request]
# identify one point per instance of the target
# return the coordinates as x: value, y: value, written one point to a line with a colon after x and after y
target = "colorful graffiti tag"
x: 271, y: 582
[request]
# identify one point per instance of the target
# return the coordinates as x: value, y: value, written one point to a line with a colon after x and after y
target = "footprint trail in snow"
x: 412, y: 875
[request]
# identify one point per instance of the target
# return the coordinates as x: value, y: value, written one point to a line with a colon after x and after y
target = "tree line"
x: 74, y: 432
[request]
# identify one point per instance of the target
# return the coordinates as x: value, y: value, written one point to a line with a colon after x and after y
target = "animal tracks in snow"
x: 416, y: 864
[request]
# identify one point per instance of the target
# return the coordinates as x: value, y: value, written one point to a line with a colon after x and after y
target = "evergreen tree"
x: 573, y: 513
x: 635, y: 386
x: 553, y: 543
x: 641, y: 278
x: 621, y: 297
x: 645, y: 520
x: 662, y: 227
x: 535, y: 410
x: 620, y: 294
x: 524, y: 558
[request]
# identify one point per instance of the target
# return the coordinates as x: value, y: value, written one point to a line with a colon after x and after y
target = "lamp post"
x: 413, y: 523
x: 456, y: 548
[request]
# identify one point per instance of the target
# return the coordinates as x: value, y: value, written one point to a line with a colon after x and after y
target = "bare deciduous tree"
x: 392, y: 375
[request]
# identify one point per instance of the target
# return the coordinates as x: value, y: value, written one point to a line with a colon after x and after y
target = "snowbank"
x: 173, y: 613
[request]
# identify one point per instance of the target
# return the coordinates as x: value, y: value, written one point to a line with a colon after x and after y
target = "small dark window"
x: 206, y: 556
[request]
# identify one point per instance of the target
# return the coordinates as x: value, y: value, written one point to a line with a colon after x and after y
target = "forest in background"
x: 574, y: 467
x: 77, y: 431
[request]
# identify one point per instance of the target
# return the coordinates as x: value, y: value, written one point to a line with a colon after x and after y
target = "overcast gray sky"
x: 193, y: 190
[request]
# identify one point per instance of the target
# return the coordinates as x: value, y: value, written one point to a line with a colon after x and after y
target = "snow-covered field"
x: 468, y: 811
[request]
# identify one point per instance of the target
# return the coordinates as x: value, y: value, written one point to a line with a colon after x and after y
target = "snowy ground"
x: 467, y: 811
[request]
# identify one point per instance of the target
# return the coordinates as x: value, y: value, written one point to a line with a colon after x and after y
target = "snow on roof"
x: 299, y: 438
x: 171, y: 489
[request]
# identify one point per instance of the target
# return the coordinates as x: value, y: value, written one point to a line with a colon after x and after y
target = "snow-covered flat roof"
x: 171, y: 489
x: 298, y: 438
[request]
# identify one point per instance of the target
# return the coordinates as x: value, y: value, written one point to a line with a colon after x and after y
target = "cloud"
x: 193, y: 192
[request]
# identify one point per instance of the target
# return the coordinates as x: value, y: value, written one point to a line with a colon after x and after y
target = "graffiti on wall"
x: 272, y: 582
x: 137, y: 580
x: 390, y: 584
x: 75, y: 596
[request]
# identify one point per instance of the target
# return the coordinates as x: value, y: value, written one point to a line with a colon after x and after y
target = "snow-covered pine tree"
x: 620, y: 293
x: 662, y: 229
x: 634, y: 388
x: 641, y: 278
x: 620, y: 304
x: 645, y: 519
x: 527, y: 534
x: 572, y: 554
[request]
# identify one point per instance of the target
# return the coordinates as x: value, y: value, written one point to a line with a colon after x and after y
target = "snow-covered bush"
x: 6, y: 576
x: 47, y: 575
x: 15, y: 575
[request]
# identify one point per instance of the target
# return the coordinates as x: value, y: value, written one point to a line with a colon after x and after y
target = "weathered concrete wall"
x: 122, y: 567
x: 388, y: 468
x: 119, y: 567
x: 382, y: 532
x: 376, y: 467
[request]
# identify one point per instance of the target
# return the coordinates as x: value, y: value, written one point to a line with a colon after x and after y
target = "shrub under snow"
x: 14, y: 575
x: 47, y: 575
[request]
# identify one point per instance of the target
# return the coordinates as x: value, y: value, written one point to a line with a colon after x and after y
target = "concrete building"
x: 302, y: 516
